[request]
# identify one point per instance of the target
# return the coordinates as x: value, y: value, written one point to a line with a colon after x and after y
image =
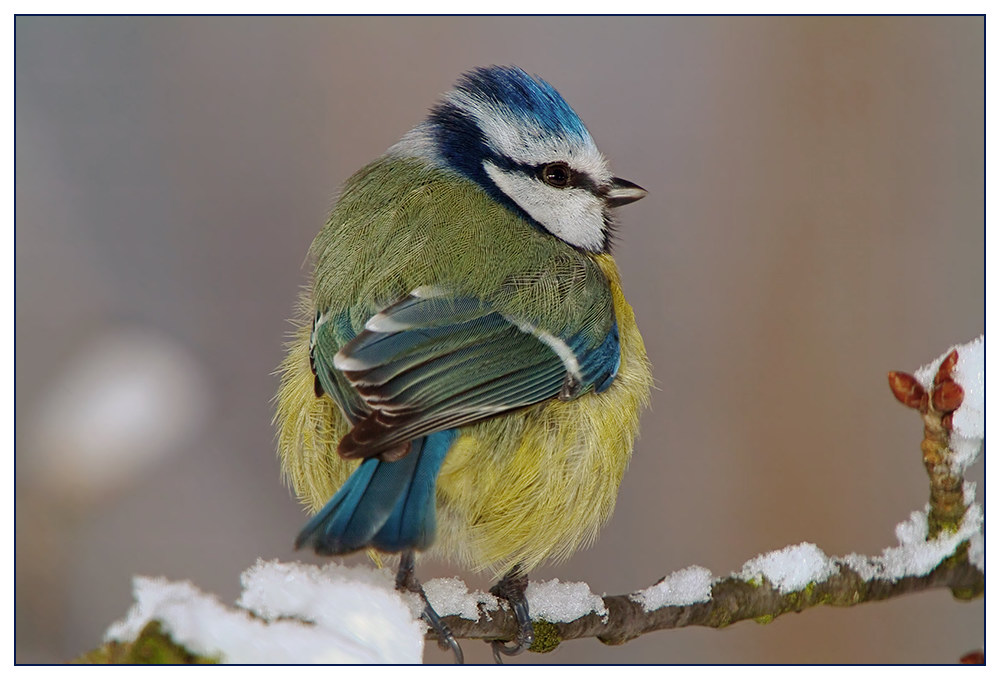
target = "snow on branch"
x: 767, y: 586
x: 295, y: 613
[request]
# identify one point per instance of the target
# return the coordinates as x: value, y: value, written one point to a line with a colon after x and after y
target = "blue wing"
x: 430, y: 363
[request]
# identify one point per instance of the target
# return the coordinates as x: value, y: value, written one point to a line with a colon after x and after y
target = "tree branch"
x: 733, y: 599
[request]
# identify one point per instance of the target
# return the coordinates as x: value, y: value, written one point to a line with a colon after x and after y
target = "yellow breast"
x: 523, y: 488
x: 537, y: 484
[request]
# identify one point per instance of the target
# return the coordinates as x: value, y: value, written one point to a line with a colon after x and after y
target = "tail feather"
x: 357, y: 511
x: 387, y: 505
x: 412, y: 524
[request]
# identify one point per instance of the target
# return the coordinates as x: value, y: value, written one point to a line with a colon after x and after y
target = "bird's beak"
x: 623, y: 192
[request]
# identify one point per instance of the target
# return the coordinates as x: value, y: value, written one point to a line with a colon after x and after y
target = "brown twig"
x: 733, y: 599
x: 936, y: 408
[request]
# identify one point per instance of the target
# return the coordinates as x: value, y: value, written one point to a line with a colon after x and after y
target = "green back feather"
x: 402, y: 224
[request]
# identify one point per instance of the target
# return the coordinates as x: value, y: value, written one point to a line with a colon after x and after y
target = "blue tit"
x: 466, y: 377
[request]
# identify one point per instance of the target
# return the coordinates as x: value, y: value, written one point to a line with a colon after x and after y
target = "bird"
x: 466, y: 375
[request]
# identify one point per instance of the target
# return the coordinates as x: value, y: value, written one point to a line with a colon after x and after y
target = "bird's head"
x: 517, y: 138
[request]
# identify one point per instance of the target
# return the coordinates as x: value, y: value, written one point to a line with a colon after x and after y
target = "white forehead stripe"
x: 574, y: 215
x: 522, y: 141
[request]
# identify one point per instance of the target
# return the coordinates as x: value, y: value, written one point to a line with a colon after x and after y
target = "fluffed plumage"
x: 466, y: 376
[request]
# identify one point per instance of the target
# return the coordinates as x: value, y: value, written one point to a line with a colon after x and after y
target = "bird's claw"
x: 511, y: 588
x: 406, y: 580
x: 445, y: 639
x: 525, y: 636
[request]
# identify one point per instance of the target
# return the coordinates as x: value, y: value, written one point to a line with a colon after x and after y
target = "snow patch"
x: 558, y: 602
x: 791, y: 568
x: 684, y: 587
x: 304, y: 614
x: 451, y: 597
x: 915, y: 555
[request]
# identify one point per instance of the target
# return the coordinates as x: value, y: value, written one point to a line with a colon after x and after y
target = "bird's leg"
x: 511, y: 588
x: 406, y: 580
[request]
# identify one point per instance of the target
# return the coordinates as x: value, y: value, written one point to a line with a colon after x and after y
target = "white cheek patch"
x: 574, y: 215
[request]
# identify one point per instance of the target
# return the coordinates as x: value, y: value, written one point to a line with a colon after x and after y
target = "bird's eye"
x: 557, y: 175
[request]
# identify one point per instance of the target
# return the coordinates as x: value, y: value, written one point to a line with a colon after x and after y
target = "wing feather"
x: 432, y: 362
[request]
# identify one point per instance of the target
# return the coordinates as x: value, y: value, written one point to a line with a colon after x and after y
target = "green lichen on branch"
x: 152, y: 646
x: 546, y: 637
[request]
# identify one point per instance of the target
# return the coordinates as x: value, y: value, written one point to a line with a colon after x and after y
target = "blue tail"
x: 384, y: 505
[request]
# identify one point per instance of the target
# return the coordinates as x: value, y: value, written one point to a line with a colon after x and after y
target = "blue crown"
x: 530, y: 98
x: 497, y: 91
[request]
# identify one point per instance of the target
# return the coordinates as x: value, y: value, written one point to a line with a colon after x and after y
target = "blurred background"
x: 814, y: 220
